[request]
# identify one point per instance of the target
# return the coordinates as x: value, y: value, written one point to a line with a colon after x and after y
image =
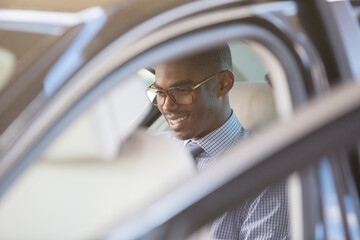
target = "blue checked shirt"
x: 264, y: 216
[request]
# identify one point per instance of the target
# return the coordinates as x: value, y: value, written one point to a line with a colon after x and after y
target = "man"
x: 192, y: 95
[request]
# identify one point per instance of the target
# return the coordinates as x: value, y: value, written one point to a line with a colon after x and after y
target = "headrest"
x: 253, y: 103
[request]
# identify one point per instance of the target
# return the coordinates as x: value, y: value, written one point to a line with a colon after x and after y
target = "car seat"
x: 253, y: 103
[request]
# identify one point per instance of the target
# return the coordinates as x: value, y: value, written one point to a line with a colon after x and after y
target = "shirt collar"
x: 221, y: 138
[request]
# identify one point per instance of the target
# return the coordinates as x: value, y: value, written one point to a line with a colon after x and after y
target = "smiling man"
x: 203, y: 89
x: 192, y: 94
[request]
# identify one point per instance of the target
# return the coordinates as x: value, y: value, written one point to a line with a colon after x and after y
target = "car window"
x: 247, y: 65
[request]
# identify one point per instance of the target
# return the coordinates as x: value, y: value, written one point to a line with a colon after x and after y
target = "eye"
x: 183, y: 91
x: 159, y: 93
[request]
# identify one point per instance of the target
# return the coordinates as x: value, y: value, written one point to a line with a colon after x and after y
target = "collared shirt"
x: 264, y: 216
x: 219, y: 141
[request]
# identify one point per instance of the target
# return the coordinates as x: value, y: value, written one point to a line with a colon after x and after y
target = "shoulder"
x: 243, y: 134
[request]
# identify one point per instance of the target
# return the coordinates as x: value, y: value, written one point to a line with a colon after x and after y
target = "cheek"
x: 201, y: 113
x: 206, y: 112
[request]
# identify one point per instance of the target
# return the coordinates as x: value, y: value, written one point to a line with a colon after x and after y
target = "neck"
x: 224, y: 115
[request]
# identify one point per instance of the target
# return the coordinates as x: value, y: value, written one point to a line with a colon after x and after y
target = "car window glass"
x: 247, y: 65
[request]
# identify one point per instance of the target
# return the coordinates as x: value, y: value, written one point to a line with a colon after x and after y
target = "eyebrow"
x: 178, y: 84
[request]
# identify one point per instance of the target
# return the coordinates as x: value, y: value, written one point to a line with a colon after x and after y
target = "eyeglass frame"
x: 193, y: 88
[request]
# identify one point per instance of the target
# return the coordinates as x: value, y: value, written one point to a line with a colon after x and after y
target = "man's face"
x: 192, y: 121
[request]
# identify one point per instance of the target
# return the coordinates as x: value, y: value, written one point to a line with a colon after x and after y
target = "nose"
x: 169, y: 104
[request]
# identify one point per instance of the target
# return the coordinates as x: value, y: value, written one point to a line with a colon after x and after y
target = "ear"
x: 226, y: 82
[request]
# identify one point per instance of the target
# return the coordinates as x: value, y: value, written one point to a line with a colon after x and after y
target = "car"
x: 79, y: 158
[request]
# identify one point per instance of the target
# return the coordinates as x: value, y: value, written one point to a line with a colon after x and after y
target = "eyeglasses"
x: 179, y: 95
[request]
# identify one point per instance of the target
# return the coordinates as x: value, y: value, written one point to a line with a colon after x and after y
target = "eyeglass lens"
x: 177, y: 95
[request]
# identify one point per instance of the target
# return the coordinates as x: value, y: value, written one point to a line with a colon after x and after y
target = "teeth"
x: 178, y: 120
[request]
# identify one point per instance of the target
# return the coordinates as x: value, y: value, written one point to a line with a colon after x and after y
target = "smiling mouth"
x: 176, y: 121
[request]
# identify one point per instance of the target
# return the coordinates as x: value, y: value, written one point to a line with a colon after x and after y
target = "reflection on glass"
x: 352, y: 219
